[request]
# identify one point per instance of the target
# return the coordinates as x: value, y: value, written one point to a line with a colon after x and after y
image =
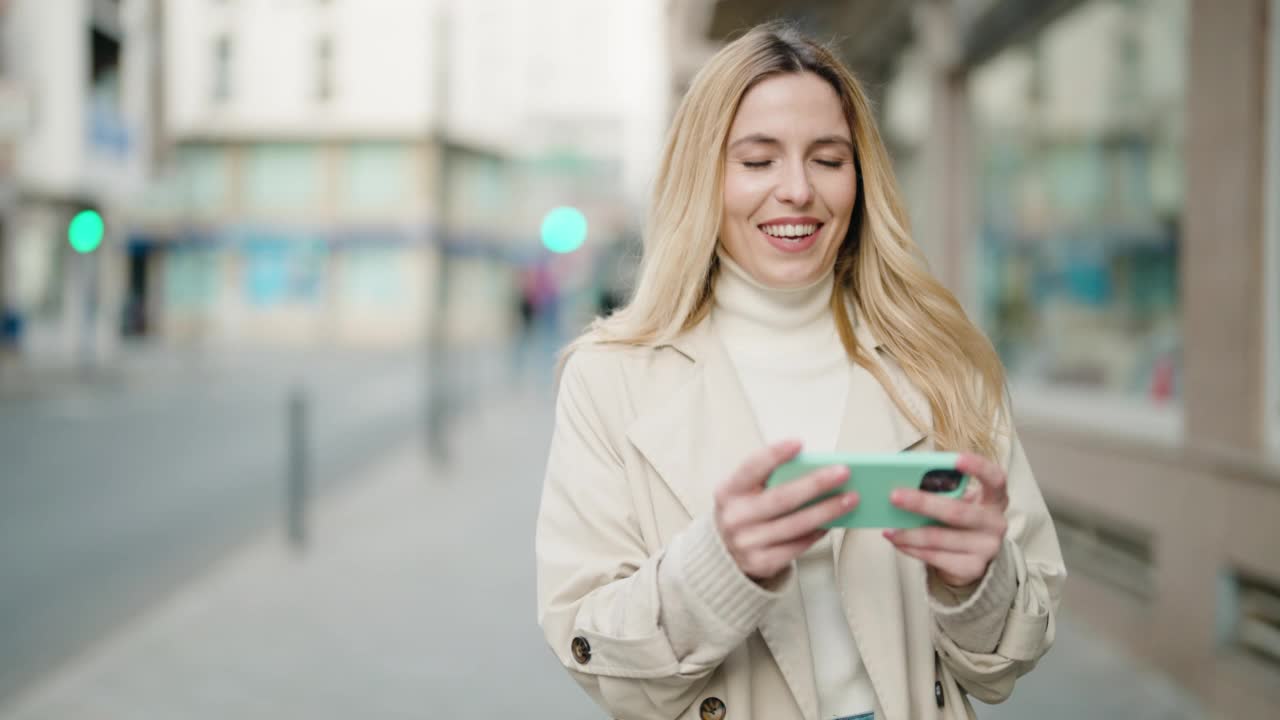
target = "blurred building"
x: 1098, y: 181
x: 300, y: 173
x: 335, y: 171
x: 75, y: 134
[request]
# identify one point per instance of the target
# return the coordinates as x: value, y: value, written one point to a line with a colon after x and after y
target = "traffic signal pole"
x: 85, y: 233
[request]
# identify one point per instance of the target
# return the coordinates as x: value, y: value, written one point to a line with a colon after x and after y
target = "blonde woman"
x: 781, y: 303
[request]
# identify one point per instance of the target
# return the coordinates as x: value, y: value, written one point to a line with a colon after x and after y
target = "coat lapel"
x: 704, y: 429
x: 700, y: 436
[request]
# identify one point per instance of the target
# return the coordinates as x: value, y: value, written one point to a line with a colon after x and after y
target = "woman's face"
x: 789, y: 181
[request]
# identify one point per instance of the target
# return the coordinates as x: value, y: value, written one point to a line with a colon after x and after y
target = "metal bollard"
x: 297, y: 472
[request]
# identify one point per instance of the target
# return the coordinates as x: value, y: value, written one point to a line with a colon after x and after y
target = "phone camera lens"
x: 941, y: 481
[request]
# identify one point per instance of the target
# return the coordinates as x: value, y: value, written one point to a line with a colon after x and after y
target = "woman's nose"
x: 794, y: 187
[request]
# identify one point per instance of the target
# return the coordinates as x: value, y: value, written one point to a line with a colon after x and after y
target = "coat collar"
x: 704, y: 431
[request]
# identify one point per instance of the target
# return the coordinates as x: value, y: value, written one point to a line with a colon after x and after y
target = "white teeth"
x: 790, y: 231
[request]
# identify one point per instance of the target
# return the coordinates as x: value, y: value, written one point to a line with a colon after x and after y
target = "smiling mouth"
x: 791, y: 233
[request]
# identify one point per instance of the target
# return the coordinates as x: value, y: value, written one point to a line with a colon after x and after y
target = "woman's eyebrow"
x: 758, y: 138
x: 834, y: 140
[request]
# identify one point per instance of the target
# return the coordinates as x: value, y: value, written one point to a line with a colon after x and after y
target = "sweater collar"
x: 745, y: 303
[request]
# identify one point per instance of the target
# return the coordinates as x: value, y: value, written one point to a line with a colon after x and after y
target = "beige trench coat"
x: 644, y: 607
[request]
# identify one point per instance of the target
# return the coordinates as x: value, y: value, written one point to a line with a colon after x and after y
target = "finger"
x: 956, y: 569
x: 799, y: 523
x: 765, y: 563
x: 950, y: 511
x: 949, y: 539
x: 752, y: 474
x: 989, y: 474
x: 786, y: 498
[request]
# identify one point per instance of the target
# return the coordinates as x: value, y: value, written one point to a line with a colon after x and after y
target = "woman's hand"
x: 960, y: 553
x: 760, y: 527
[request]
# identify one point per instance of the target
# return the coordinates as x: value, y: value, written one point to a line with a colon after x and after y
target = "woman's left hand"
x: 960, y: 552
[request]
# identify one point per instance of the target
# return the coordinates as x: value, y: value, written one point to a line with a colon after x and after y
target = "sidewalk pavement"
x: 416, y: 599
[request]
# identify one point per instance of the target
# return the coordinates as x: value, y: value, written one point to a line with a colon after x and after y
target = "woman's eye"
x: 756, y: 164
x: 830, y: 163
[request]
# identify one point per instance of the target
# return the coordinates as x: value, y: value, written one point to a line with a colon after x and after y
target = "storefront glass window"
x: 1079, y: 139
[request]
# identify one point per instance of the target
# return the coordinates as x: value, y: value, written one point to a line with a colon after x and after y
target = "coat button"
x: 938, y: 697
x: 581, y: 650
x: 712, y: 709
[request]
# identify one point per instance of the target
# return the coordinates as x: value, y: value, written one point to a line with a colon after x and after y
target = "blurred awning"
x: 870, y: 34
x: 987, y: 26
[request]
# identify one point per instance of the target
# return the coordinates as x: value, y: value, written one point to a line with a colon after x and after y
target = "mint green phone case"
x: 873, y: 477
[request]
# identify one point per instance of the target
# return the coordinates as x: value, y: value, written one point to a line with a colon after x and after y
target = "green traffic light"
x: 85, y: 231
x: 564, y: 229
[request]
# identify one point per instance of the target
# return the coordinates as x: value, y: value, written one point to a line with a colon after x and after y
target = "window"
x: 191, y: 276
x: 222, y: 58
x: 1079, y: 154
x: 374, y: 277
x: 1254, y: 612
x: 1106, y: 549
x: 283, y: 177
x: 107, y: 130
x: 204, y: 177
x: 282, y: 270
x: 377, y: 176
x: 324, y: 68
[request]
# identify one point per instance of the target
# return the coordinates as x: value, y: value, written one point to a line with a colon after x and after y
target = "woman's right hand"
x: 762, y: 528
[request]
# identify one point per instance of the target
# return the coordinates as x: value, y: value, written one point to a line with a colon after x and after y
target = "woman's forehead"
x: 794, y: 106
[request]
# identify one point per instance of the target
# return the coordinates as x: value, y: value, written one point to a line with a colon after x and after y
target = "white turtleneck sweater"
x: 795, y: 373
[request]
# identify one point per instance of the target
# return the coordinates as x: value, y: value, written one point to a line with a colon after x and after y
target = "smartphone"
x: 873, y: 476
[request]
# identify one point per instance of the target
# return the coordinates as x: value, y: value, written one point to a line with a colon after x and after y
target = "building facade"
x: 337, y: 171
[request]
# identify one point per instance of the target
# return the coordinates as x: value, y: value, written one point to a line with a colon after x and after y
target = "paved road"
x: 114, y: 491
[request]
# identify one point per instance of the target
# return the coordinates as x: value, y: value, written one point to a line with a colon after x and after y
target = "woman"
x: 781, y: 303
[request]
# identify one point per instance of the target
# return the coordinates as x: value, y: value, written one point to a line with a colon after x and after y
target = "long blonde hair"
x: 879, y: 270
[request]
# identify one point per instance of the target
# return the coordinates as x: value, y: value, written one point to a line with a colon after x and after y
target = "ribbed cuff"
x: 713, y: 579
x: 975, y: 618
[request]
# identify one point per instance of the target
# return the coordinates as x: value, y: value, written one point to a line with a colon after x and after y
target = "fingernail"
x: 889, y: 534
x: 849, y: 500
x: 895, y: 496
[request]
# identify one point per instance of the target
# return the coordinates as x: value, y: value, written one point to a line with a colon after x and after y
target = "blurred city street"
x: 87, y: 533
x: 282, y: 285
x: 416, y: 599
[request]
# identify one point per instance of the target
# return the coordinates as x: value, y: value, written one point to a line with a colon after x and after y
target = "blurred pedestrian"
x: 537, y: 307
x: 781, y: 301
x: 612, y: 275
x: 526, y: 315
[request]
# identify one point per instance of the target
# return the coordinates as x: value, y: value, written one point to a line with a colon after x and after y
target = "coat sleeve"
x: 991, y: 637
x: 656, y: 624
